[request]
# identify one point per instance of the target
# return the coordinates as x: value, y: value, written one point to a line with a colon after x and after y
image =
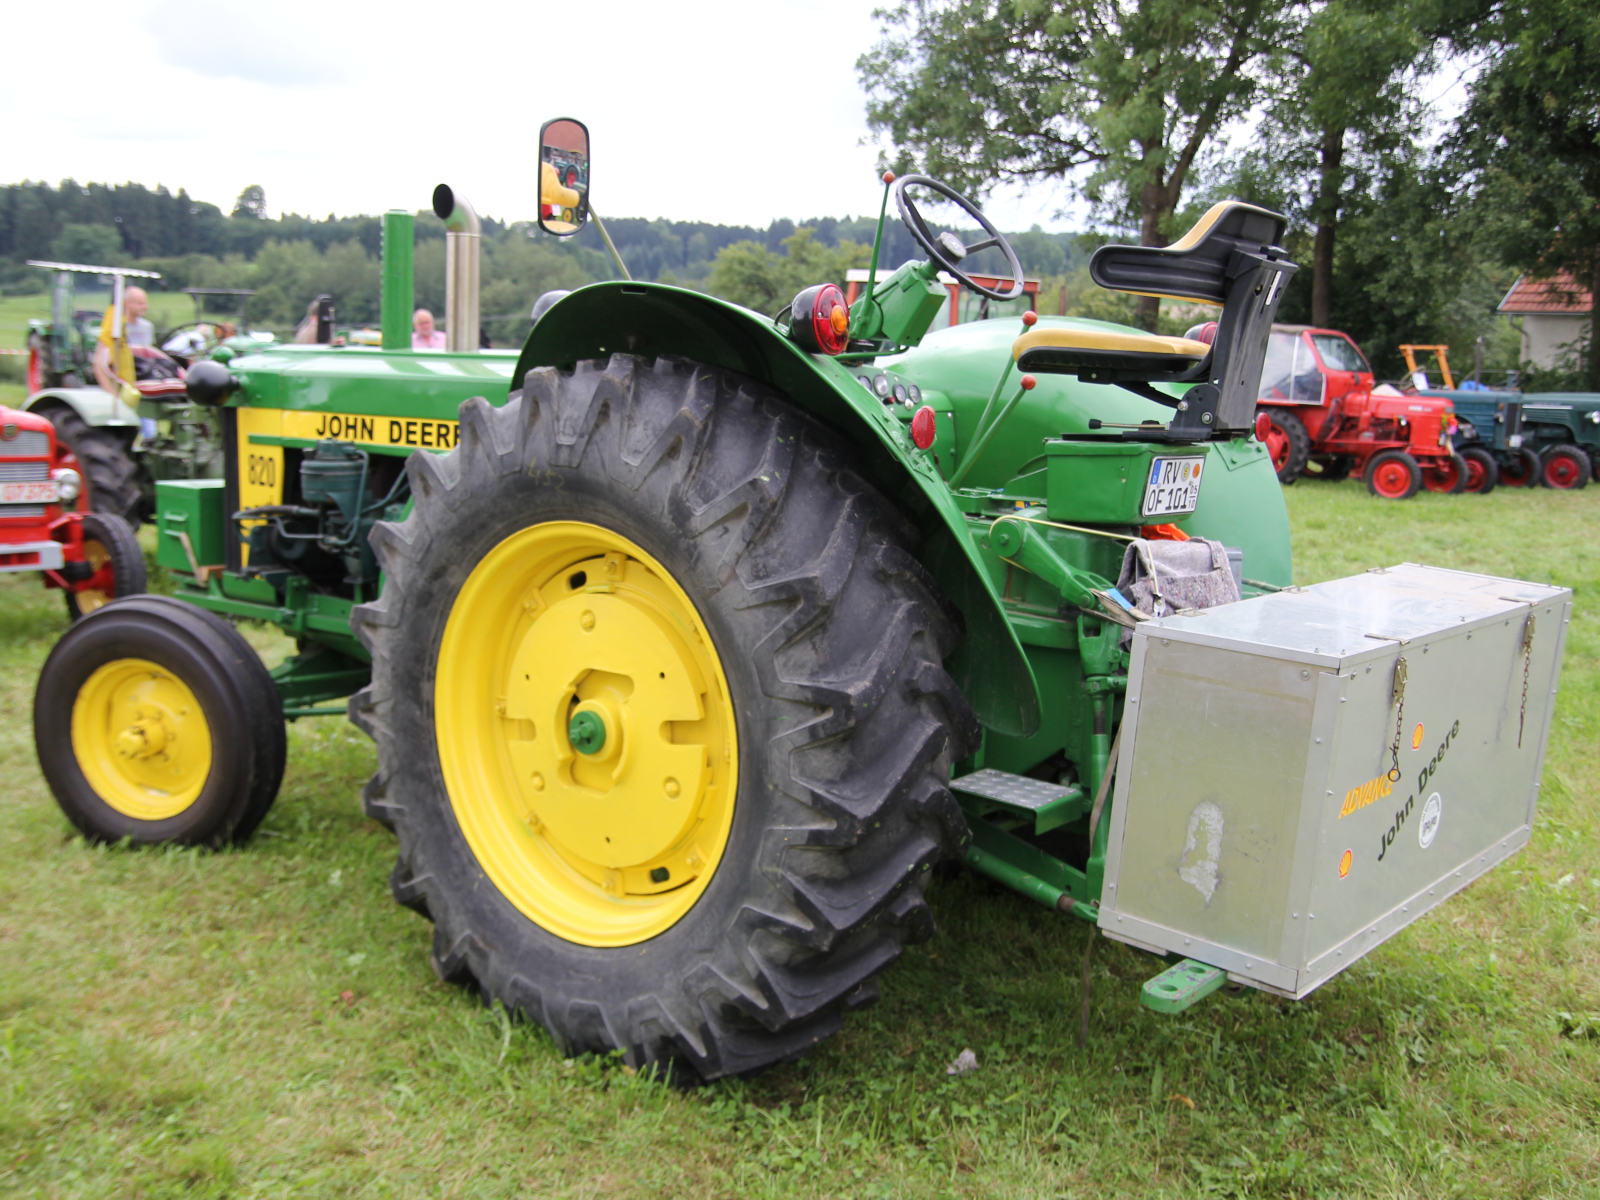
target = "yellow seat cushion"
x: 1067, y: 351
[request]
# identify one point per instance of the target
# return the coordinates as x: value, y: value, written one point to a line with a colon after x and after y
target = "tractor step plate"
x: 1013, y: 791
x: 1049, y: 805
x: 1179, y: 987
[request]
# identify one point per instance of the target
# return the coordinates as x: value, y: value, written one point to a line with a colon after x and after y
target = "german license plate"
x: 1173, y: 486
x: 44, y: 491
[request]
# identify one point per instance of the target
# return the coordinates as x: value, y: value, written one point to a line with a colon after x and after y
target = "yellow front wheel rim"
x: 586, y: 733
x: 141, y: 739
x: 89, y: 599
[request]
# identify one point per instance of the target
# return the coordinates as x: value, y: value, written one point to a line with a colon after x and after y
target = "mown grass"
x: 264, y: 1021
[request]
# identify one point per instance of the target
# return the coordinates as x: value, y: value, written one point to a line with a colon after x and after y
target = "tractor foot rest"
x: 1048, y: 805
x: 1181, y: 986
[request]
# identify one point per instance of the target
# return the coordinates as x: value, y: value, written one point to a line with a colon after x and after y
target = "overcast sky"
x: 729, y: 111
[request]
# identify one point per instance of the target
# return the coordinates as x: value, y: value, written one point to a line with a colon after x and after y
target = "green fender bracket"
x: 1181, y: 987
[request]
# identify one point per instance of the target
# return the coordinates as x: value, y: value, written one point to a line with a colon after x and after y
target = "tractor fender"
x: 654, y: 319
x: 96, y: 406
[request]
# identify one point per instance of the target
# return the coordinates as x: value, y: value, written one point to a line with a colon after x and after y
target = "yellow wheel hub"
x: 586, y: 734
x: 98, y: 558
x: 141, y: 739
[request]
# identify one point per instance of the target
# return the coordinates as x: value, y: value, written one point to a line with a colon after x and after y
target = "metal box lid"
x: 1281, y: 807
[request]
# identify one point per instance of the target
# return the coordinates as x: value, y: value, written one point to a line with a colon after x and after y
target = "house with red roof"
x: 1555, y: 316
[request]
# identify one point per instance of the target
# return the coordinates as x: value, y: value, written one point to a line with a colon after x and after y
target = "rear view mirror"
x: 563, y: 176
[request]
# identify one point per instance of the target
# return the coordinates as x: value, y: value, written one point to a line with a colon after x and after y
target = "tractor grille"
x: 23, y: 472
x: 30, y: 443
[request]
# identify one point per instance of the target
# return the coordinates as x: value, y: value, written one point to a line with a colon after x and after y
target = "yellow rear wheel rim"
x: 141, y: 739
x: 613, y: 845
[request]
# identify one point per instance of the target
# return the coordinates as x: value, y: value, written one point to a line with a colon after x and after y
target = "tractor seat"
x: 1092, y: 351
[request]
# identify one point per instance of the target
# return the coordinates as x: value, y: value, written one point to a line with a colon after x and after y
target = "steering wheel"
x: 947, y: 250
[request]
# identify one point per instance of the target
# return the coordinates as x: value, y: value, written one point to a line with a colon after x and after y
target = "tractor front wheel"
x: 113, y: 555
x: 1482, y: 474
x: 1566, y: 468
x: 1393, y: 475
x: 1520, y: 468
x: 154, y: 720
x: 1446, y: 473
x: 1287, y: 443
x: 661, y: 716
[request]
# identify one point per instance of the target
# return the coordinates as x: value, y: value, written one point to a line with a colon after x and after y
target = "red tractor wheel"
x: 1482, y: 474
x: 1520, y: 469
x: 1287, y: 443
x: 1446, y: 473
x: 1393, y: 475
x: 1565, y: 468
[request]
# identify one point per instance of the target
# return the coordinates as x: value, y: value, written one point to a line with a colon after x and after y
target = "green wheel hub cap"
x: 587, y: 733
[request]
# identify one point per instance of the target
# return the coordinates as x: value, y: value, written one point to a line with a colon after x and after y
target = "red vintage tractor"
x: 1328, y: 421
x: 46, y: 525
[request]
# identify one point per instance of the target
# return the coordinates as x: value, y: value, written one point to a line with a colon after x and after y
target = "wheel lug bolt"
x: 538, y: 782
x: 672, y: 789
x: 587, y: 621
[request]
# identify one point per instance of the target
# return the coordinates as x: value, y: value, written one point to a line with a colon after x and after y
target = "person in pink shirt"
x: 423, y: 335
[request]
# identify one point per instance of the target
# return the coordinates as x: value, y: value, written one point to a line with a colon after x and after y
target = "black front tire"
x: 111, y: 545
x: 1565, y: 468
x: 1481, y: 470
x: 1519, y: 468
x: 832, y: 637
x: 115, y: 480
x: 237, y: 698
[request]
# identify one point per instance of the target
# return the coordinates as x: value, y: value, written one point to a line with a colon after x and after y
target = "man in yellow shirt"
x: 113, y: 356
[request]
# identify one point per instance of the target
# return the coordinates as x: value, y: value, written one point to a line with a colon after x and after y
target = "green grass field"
x: 264, y: 1022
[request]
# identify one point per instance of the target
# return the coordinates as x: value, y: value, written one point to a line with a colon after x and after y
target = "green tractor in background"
x: 691, y: 640
x: 150, y: 432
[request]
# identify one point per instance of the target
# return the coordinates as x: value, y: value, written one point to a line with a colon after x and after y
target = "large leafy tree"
x: 1530, y: 140
x: 1344, y: 110
x: 1120, y: 97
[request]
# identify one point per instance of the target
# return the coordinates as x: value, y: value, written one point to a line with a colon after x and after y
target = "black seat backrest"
x: 1195, y: 267
x: 1231, y: 257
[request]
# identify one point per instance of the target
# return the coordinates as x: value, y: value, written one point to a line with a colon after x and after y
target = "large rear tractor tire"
x: 112, y: 474
x: 661, y: 718
x: 1287, y: 443
x: 1565, y: 468
x: 1393, y: 475
x: 1446, y: 474
x: 1482, y: 473
x: 154, y: 720
x: 112, y: 552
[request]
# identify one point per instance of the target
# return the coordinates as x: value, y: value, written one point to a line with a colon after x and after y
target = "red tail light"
x: 923, y: 427
x: 1263, y: 426
x: 819, y: 319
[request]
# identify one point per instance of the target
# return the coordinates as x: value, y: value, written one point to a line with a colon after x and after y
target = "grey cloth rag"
x: 1162, y: 577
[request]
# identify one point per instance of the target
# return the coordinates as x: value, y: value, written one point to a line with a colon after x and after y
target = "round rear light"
x: 1263, y: 426
x: 819, y: 319
x: 923, y: 427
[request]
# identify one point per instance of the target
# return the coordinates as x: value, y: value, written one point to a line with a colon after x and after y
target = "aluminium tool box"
x: 1394, y: 729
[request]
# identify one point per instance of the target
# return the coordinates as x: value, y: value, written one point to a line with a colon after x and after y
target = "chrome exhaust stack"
x: 462, y: 231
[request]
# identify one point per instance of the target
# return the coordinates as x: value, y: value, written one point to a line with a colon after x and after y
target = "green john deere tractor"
x: 692, y: 639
